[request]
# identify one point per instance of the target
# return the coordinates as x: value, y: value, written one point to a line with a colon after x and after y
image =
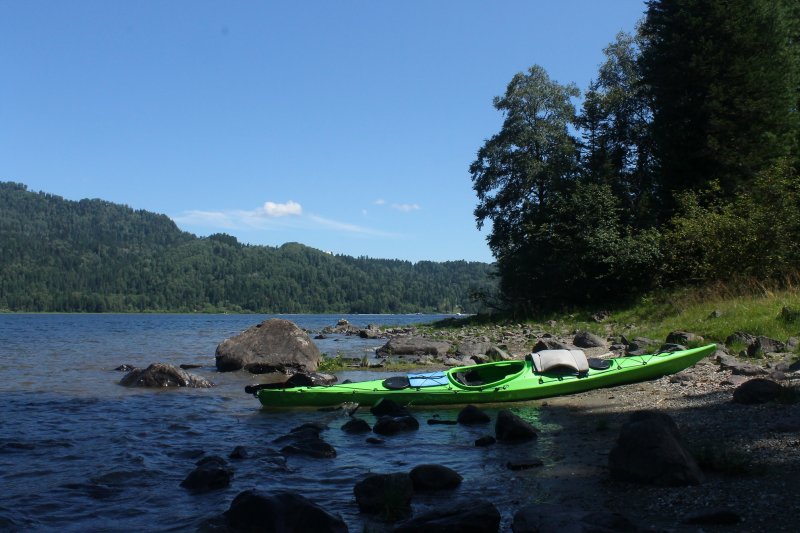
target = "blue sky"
x: 348, y: 126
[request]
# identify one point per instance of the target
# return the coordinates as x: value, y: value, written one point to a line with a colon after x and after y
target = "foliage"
x: 723, y: 78
x: 95, y: 256
x: 754, y: 234
x: 685, y: 173
x: 520, y: 169
x: 615, y: 123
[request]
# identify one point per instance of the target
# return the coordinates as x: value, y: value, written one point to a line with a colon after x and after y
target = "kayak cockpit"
x: 486, y: 375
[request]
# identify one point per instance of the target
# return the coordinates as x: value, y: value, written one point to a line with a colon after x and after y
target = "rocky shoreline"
x: 724, y: 434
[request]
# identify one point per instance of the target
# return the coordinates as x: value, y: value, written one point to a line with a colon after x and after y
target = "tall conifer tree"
x: 722, y: 76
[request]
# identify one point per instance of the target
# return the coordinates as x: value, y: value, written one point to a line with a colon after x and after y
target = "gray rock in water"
x: 356, y: 425
x: 462, y: 517
x: 757, y: 391
x: 649, y: 450
x: 385, y: 406
x: 471, y: 415
x: 391, y: 425
x: 212, y: 473
x: 511, y: 428
x: 275, y: 345
x: 585, y: 339
x: 163, y: 375
x: 434, y: 477
x: 284, y: 511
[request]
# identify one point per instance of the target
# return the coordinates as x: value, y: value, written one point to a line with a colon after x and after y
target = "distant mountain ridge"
x: 60, y: 255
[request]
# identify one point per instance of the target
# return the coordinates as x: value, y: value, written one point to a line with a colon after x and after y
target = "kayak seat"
x: 396, y: 383
x: 470, y: 378
x: 563, y: 361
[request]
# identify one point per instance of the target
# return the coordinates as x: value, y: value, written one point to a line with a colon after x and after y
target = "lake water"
x: 78, y: 452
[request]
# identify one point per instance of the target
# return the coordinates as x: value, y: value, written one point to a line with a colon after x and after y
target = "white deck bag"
x: 555, y: 360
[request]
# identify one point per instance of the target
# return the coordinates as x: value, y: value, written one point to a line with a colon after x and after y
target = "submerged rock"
x: 391, y: 425
x: 163, y: 375
x: 212, y: 473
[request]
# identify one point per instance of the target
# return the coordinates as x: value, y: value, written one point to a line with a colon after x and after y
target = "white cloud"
x: 379, y: 201
x: 271, y: 209
x: 405, y: 208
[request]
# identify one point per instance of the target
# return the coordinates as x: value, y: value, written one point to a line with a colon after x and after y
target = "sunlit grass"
x: 714, y: 312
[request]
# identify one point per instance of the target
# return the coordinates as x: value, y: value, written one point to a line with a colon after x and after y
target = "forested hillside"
x: 680, y: 167
x: 96, y: 256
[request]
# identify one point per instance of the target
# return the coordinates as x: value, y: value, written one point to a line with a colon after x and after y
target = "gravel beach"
x: 749, y: 453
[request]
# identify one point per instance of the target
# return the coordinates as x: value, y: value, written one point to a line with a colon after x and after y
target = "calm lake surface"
x: 78, y: 452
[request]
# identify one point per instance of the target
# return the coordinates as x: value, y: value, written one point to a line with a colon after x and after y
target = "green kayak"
x: 541, y: 375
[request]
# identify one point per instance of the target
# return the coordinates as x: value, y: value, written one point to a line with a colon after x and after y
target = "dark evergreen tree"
x: 617, y: 142
x: 722, y: 77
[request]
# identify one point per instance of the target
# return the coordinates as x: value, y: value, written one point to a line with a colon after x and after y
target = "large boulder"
x: 650, y: 450
x: 284, y: 511
x: 275, y: 345
x: 413, y: 346
x: 163, y: 375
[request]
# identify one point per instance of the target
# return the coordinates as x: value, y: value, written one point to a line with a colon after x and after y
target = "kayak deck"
x: 504, y: 381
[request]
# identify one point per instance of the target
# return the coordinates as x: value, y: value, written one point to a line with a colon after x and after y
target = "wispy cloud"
x: 379, y: 201
x: 214, y: 219
x: 405, y: 208
x: 351, y: 228
x: 271, y: 215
